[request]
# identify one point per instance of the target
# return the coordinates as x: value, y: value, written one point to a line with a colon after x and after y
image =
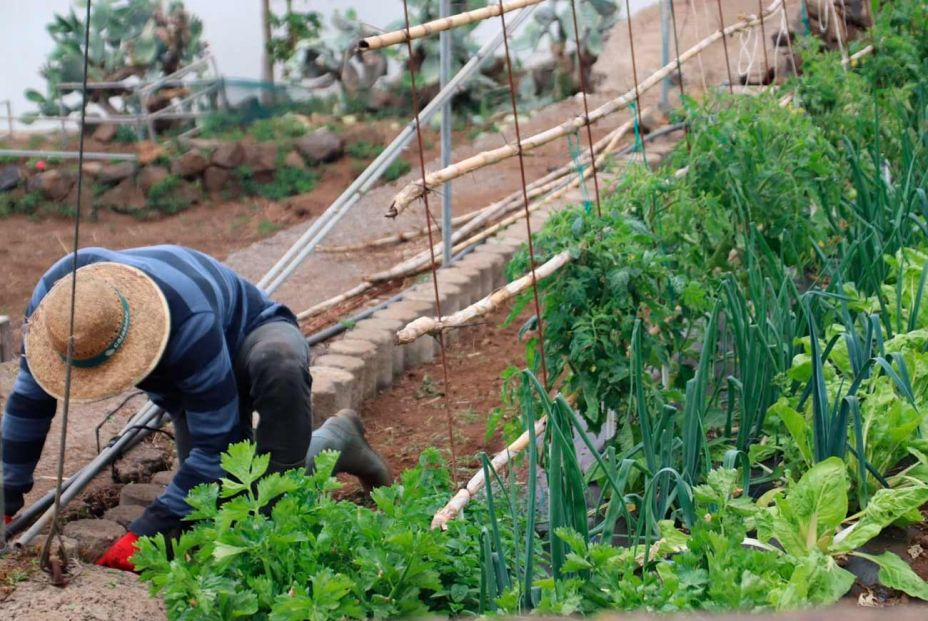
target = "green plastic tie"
x: 573, y: 147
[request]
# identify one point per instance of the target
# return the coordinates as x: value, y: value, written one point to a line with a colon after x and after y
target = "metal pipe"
x: 9, y: 116
x: 307, y: 242
x: 444, y: 40
x: 86, y: 474
x: 69, y: 155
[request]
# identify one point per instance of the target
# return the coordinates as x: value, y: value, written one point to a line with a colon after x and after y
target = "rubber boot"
x: 344, y: 433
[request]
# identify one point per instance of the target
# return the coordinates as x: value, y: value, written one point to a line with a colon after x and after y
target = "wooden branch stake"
x: 431, y: 325
x: 415, y: 190
x: 440, y: 25
x: 476, y: 483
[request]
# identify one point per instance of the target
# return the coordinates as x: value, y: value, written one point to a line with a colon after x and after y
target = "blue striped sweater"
x: 212, y: 310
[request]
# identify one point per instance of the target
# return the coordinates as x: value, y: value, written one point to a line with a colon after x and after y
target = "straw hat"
x: 121, y: 327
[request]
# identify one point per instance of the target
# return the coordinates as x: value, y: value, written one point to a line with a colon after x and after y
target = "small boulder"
x: 321, y: 146
x: 363, y: 133
x: 147, y: 152
x: 92, y: 169
x: 139, y: 494
x: 139, y: 464
x: 126, y: 197
x: 163, y: 478
x: 190, y: 164
x: 104, y: 133
x: 228, y: 155
x: 215, y: 179
x: 114, y: 173
x: 151, y: 175
x: 10, y: 176
x: 124, y: 514
x: 293, y: 160
x: 94, y: 537
x: 261, y: 157
x: 53, y: 184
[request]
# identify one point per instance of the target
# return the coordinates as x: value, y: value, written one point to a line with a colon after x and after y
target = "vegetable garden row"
x: 757, y: 325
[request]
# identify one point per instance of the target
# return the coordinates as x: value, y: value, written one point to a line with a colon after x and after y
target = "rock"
x: 10, y: 176
x: 114, y: 173
x: 163, y: 478
x: 124, y: 514
x: 216, y: 179
x: 104, y: 133
x: 92, y: 169
x: 126, y: 197
x: 293, y: 160
x: 190, y: 164
x: 150, y: 175
x: 69, y: 544
x: 93, y: 537
x: 189, y: 192
x: 261, y: 157
x: 139, y: 464
x: 321, y: 146
x: 147, y: 152
x: 140, y: 494
x: 363, y: 133
x: 53, y: 184
x: 229, y: 155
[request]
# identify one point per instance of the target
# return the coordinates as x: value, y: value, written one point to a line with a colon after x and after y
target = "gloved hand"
x: 7, y: 519
x: 120, y: 552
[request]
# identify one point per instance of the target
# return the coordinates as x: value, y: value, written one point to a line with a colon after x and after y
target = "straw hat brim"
x: 146, y: 339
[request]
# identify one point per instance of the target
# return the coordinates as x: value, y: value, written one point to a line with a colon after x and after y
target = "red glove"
x: 120, y: 552
x: 7, y: 519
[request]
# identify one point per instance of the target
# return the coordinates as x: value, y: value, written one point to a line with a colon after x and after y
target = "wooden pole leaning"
x: 440, y: 25
x: 415, y: 190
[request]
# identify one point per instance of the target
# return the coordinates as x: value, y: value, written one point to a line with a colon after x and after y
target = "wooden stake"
x: 440, y: 25
x: 432, y: 325
x: 416, y: 190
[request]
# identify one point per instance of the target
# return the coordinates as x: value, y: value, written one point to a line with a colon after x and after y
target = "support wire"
x: 449, y: 415
x: 45, y: 562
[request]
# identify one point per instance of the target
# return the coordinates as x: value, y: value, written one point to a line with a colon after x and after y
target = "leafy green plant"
x: 167, y: 196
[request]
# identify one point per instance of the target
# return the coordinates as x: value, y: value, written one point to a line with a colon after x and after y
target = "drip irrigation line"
x: 586, y: 107
x: 731, y: 84
x: 525, y: 201
x: 65, y: 410
x: 631, y: 47
x: 122, y: 404
x: 414, y: 91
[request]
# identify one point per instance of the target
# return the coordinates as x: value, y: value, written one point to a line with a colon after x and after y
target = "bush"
x: 167, y: 196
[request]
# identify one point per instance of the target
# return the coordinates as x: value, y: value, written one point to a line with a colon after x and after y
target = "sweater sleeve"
x: 201, y: 365
x: 26, y: 420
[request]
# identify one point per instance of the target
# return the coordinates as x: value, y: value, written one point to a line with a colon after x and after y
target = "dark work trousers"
x: 272, y: 372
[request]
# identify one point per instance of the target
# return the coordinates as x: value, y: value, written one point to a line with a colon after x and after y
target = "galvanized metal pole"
x: 444, y: 76
x: 665, y: 52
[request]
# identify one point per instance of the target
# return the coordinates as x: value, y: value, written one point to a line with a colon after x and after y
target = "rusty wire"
x: 731, y: 85
x: 763, y: 38
x: 525, y: 201
x: 631, y: 47
x: 449, y: 415
x: 586, y: 108
x: 676, y: 49
x: 57, y: 566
